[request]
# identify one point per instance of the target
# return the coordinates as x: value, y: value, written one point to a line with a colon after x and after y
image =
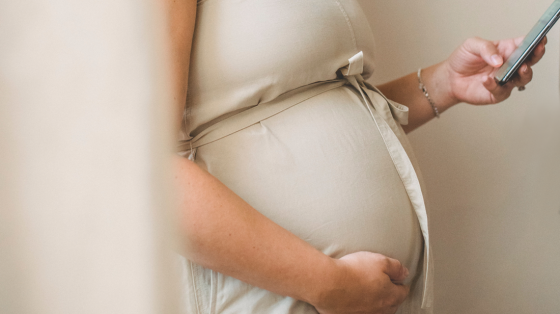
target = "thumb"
x: 395, y: 270
x: 485, y: 49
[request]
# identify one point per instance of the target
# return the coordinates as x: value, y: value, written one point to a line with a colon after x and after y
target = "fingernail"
x: 525, y: 69
x: 497, y: 60
x: 406, y: 273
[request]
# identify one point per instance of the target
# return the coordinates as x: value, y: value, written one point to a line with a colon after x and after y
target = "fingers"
x: 525, y: 75
x: 400, y: 292
x: 396, y: 296
x: 517, y: 41
x: 499, y: 93
x: 395, y: 270
x: 525, y: 72
x: 485, y: 49
x: 538, y: 53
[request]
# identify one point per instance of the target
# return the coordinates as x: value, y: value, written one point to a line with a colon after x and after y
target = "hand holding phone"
x: 531, y: 41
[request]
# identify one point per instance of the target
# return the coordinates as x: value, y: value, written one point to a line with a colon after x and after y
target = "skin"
x: 224, y: 233
x: 465, y: 77
x: 181, y: 16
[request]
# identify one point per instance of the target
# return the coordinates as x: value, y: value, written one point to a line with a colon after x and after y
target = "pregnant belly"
x: 321, y: 170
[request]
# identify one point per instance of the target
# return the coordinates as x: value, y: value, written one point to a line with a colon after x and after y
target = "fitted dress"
x: 278, y: 110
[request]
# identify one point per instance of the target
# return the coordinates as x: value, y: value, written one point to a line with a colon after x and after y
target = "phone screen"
x: 545, y: 23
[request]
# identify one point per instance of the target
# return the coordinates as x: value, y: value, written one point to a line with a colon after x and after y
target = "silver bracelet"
x: 425, y: 91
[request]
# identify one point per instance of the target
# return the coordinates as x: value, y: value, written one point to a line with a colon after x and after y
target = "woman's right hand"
x: 364, y: 283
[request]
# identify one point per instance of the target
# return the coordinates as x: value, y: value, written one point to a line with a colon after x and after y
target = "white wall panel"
x: 82, y: 145
x: 493, y: 173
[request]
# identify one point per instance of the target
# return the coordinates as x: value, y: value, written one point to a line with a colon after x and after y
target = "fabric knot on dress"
x: 353, y: 73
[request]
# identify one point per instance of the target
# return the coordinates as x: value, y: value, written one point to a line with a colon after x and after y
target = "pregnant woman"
x: 300, y: 193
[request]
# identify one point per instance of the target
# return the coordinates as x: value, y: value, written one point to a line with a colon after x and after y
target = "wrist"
x: 329, y: 274
x: 438, y: 81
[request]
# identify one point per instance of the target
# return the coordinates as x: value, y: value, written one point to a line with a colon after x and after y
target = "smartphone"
x: 539, y: 31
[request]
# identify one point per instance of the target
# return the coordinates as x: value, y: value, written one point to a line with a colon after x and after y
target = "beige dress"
x: 278, y: 111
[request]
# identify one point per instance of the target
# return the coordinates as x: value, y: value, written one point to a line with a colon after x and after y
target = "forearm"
x: 405, y: 91
x: 221, y: 231
x: 226, y: 234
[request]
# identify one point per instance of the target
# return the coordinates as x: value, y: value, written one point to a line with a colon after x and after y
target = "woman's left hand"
x: 471, y: 69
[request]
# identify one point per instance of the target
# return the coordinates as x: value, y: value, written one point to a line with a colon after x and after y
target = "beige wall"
x: 493, y: 173
x: 82, y: 187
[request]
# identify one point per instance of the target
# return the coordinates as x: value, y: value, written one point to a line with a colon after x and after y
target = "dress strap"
x: 384, y: 113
